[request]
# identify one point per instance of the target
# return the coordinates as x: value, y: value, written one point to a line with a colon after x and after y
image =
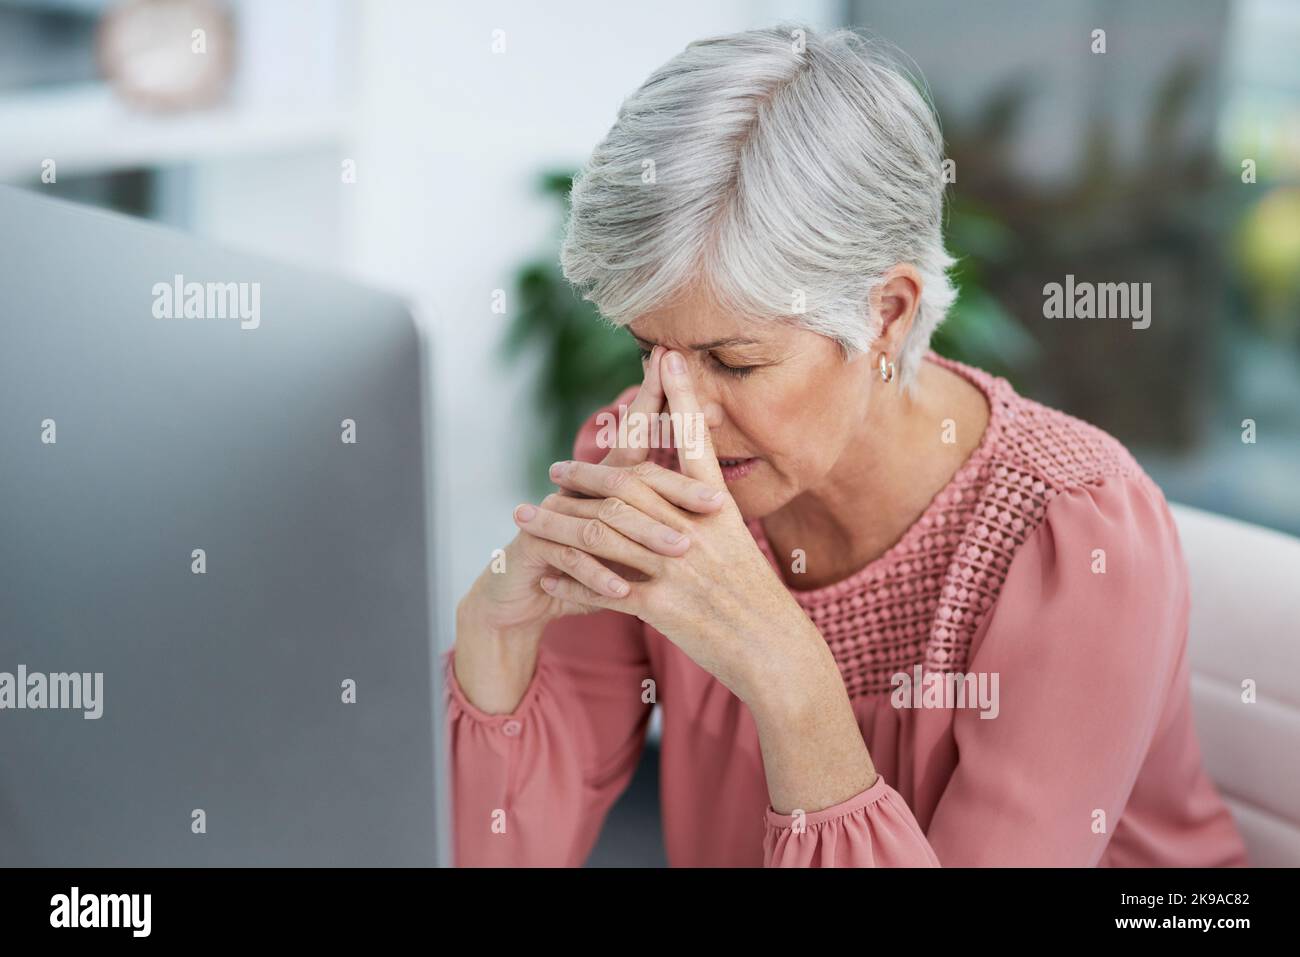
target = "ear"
x: 895, y: 302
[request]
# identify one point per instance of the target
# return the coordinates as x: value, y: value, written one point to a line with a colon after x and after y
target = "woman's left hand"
x: 720, y: 600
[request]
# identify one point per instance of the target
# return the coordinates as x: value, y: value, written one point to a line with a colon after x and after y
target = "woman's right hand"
x: 508, y: 597
x: 499, y: 622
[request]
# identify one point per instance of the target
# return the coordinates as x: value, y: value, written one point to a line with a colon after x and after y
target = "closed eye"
x: 738, y: 371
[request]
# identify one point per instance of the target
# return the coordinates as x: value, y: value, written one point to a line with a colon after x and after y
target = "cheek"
x: 783, y: 422
x: 802, y: 422
x: 811, y: 407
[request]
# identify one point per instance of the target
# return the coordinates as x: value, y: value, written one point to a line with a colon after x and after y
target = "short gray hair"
x: 761, y: 167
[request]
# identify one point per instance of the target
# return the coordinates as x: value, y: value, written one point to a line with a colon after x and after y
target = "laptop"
x: 217, y: 639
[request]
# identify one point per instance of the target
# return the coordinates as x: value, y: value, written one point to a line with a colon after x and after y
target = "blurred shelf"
x: 86, y: 129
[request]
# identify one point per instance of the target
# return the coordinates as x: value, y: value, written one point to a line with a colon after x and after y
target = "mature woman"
x: 896, y: 614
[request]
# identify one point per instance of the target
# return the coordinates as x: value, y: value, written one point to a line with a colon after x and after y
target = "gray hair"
x: 781, y: 171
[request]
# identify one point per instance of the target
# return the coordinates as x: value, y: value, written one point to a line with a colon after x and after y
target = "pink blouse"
x: 1045, y: 581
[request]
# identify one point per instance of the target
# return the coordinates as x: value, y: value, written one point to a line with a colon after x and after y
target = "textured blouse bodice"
x: 1047, y: 573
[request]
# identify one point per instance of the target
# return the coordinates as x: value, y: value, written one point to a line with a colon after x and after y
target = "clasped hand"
x: 670, y: 548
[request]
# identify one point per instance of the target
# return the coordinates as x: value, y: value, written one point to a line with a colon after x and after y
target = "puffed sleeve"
x: 1085, y: 638
x: 532, y: 788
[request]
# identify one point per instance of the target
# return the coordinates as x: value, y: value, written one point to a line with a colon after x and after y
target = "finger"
x: 624, y: 518
x: 639, y: 485
x: 648, y: 401
x: 590, y: 535
x: 578, y: 565
x: 695, y: 453
x: 566, y: 589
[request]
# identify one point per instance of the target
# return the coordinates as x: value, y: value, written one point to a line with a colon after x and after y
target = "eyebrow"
x: 704, y: 346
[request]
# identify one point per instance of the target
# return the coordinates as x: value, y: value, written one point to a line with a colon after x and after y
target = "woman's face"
x: 779, y: 399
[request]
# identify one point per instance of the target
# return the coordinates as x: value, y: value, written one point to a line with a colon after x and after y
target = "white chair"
x: 1245, y: 624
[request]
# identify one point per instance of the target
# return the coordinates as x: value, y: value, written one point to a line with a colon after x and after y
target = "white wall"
x: 450, y: 140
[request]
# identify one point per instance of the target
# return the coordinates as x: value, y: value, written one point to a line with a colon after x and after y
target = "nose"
x: 706, y: 394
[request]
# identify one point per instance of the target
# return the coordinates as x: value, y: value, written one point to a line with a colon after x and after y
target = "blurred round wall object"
x: 167, y: 54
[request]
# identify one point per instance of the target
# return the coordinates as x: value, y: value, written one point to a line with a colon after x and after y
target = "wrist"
x: 813, y: 750
x: 493, y: 665
x: 795, y: 678
x: 797, y: 703
x: 474, y: 617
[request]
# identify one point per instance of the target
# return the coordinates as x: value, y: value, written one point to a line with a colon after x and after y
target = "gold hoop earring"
x: 886, y: 368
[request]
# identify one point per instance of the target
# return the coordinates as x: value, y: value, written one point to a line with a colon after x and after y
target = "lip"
x: 740, y: 469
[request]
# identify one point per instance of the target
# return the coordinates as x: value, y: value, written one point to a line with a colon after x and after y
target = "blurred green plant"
x: 583, y: 361
x: 1267, y: 256
x: 979, y: 330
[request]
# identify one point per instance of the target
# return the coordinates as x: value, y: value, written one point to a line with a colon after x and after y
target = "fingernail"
x: 559, y: 468
x: 676, y: 364
x: 525, y: 513
x: 618, y: 586
x: 710, y: 494
x: 671, y: 537
x: 548, y: 582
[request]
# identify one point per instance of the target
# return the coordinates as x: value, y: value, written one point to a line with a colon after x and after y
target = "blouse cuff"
x: 457, y: 700
x: 856, y: 803
x: 872, y: 829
